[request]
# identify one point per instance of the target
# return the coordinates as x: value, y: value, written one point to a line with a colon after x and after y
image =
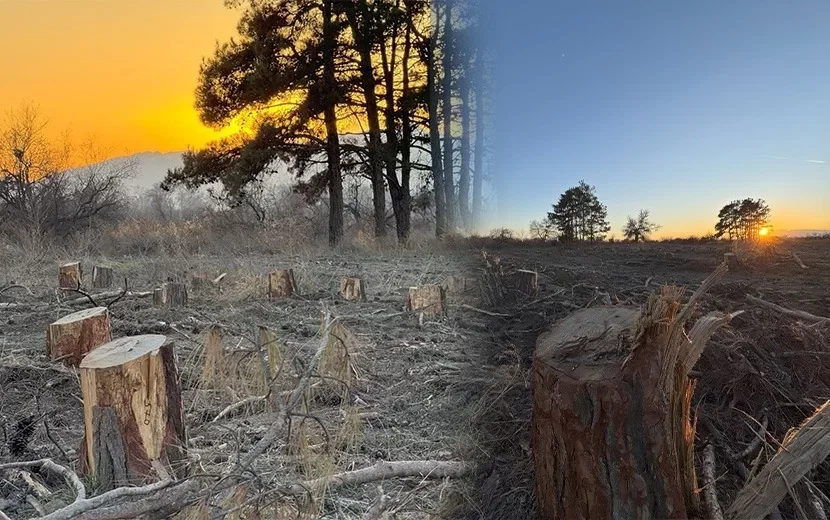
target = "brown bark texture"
x: 133, y: 419
x: 75, y: 335
x: 611, y: 430
x: 101, y: 277
x: 427, y: 299
x: 281, y: 284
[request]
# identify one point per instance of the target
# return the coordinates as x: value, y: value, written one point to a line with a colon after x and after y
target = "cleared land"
x: 452, y: 388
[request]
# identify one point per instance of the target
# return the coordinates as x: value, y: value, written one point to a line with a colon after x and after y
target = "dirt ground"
x: 454, y: 388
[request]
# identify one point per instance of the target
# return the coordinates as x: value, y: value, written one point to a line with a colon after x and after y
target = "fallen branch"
x: 759, y: 436
x: 235, y: 406
x: 387, y: 470
x: 710, y: 492
x: 16, y: 286
x: 482, y: 311
x: 801, y: 451
x: 110, y: 294
x: 84, y: 505
x: 798, y: 260
x: 783, y: 310
x: 47, y: 464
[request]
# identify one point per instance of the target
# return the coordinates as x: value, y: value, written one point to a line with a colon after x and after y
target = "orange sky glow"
x: 120, y: 71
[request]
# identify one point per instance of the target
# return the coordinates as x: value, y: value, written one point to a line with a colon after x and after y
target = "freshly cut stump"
x: 281, y: 284
x: 605, y: 440
x: 526, y: 283
x: 69, y: 276
x: 101, y: 277
x: 133, y: 422
x: 427, y: 299
x: 352, y: 289
x: 75, y: 335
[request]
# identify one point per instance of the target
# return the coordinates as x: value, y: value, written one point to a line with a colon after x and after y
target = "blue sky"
x: 677, y: 107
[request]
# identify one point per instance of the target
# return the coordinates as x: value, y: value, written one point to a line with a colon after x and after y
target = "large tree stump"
x: 611, y: 430
x: 731, y: 260
x: 69, y: 276
x: 101, y: 277
x: 428, y: 300
x: 281, y: 284
x: 352, y: 289
x: 75, y: 335
x: 455, y: 284
x: 133, y: 422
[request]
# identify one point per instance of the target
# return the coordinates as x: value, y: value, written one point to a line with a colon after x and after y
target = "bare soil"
x: 454, y: 388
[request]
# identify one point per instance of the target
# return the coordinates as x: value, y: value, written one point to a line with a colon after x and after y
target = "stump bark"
x: 170, y: 294
x: 525, y: 283
x: 731, y: 260
x: 101, y: 277
x: 69, y: 276
x: 75, y: 335
x: 611, y: 429
x: 281, y: 284
x: 352, y: 289
x: 133, y: 422
x: 427, y: 299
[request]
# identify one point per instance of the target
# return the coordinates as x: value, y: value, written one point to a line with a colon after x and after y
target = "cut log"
x: 731, y: 260
x: 170, y: 294
x: 75, y: 335
x: 352, y: 289
x: 430, y: 300
x: 69, y: 276
x: 525, y: 283
x: 133, y: 422
x: 455, y: 284
x: 281, y: 284
x: 611, y: 430
x: 101, y: 277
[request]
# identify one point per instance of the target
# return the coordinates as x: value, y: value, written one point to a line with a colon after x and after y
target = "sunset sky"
x: 677, y: 107
x: 121, y: 71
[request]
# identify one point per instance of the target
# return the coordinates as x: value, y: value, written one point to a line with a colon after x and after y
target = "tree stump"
x: 455, y: 284
x: 69, y: 276
x: 427, y: 299
x: 133, y: 421
x: 731, y: 260
x: 170, y: 294
x: 101, y: 277
x: 352, y: 289
x: 611, y: 432
x: 75, y: 335
x: 525, y: 283
x: 281, y: 284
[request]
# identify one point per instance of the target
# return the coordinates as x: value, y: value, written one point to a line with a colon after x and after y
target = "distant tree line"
x: 578, y: 215
x: 406, y: 76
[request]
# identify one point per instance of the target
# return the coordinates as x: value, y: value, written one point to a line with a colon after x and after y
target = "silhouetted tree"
x: 579, y: 215
x: 639, y: 228
x: 742, y: 219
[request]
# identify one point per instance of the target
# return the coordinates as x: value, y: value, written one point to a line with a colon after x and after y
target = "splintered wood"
x: 133, y: 422
x: 352, y: 289
x: 69, y: 276
x: 73, y: 336
x: 101, y: 277
x: 428, y: 300
x: 281, y: 284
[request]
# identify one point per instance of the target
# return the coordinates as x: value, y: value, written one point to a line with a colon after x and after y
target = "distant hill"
x: 802, y: 232
x: 151, y: 167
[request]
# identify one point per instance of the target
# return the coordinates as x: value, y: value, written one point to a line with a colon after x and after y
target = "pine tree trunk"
x: 611, y: 404
x: 332, y: 135
x: 363, y: 39
x: 75, y: 335
x: 449, y: 170
x: 464, y: 174
x: 134, y: 429
x: 436, y: 164
x: 101, y: 277
x: 478, y: 161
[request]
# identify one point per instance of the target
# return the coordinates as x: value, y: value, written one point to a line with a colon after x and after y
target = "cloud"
x: 776, y: 157
x: 815, y: 161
